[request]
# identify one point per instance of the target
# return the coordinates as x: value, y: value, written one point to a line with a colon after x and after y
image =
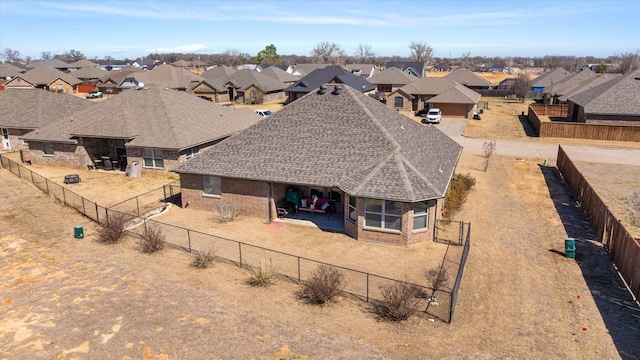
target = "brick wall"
x: 70, y: 155
x: 66, y: 88
x: 14, y: 139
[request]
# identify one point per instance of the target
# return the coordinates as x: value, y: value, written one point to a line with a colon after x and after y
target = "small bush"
x: 152, y: 239
x: 634, y: 208
x: 456, y: 196
x: 399, y: 302
x: 488, y: 149
x: 113, y: 229
x: 226, y: 212
x: 202, y: 260
x: 264, y: 275
x: 325, y: 283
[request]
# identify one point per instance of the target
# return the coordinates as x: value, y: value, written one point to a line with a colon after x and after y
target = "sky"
x: 130, y: 29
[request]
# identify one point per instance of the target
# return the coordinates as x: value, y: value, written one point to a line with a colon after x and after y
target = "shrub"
x: 457, y: 194
x: 634, y: 208
x: 263, y: 276
x: 488, y: 149
x: 112, y: 229
x: 325, y: 283
x: 399, y: 302
x: 202, y: 260
x: 226, y: 212
x: 152, y: 239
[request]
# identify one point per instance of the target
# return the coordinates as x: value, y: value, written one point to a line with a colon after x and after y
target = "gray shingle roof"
x: 280, y: 75
x: 366, y: 70
x: 45, y: 75
x: 83, y: 63
x: 246, y: 78
x: 468, y: 78
x: 417, y: 67
x: 8, y: 70
x: 218, y: 72
x: 326, y: 75
x: 579, y: 82
x: 306, y: 69
x: 168, y: 76
x: 458, y: 94
x: 346, y: 140
x: 154, y: 117
x: 429, y: 86
x: 549, y: 78
x: 54, y: 63
x: 392, y: 76
x: 616, y: 97
x: 90, y: 72
x: 35, y: 108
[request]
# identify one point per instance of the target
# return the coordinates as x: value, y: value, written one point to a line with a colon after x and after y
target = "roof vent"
x: 337, y: 90
x: 322, y: 90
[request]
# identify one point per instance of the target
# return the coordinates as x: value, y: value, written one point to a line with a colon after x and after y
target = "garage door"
x: 453, y: 110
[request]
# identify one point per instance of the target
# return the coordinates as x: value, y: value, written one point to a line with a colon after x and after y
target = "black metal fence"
x: 437, y: 304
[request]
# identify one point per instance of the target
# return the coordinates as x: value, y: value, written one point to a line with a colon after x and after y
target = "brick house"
x: 469, y: 80
x: 25, y: 110
x: 332, y: 74
x: 45, y: 77
x: 383, y: 175
x: 158, y: 128
x: 252, y: 87
x: 390, y: 80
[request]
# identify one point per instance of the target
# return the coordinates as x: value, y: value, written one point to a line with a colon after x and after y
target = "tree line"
x: 331, y: 53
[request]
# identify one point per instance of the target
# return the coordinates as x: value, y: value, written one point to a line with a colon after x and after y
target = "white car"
x: 264, y: 113
x: 433, y: 116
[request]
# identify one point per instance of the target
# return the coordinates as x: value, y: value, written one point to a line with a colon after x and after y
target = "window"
x: 153, y: 158
x: 398, y: 101
x: 384, y: 88
x: 60, y: 87
x: 191, y: 152
x: 352, y: 209
x: 420, y: 215
x: 47, y: 148
x: 383, y: 214
x: 211, y: 185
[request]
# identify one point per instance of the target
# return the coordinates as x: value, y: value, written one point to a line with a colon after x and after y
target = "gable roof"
x: 306, y: 69
x: 393, y: 76
x: 116, y: 76
x: 218, y: 72
x: 90, y: 72
x: 326, y: 75
x: 83, y: 63
x: 342, y: 139
x: 167, y: 76
x: 35, y: 108
x: 586, y: 85
x: 468, y: 78
x: 549, y: 78
x: 153, y: 117
x: 54, y: 63
x: 615, y: 97
x: 243, y: 79
x: 458, y: 94
x: 429, y: 86
x: 364, y: 70
x: 415, y: 66
x: 280, y: 75
x: 8, y: 70
x: 45, y: 75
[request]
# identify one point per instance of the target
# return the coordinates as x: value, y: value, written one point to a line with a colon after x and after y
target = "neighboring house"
x: 25, y: 110
x: 386, y: 176
x: 213, y: 89
x: 280, y: 75
x: 364, y: 70
x: 455, y: 100
x: 158, y: 128
x: 253, y: 67
x: 469, y: 79
x: 417, y: 69
x: 8, y: 72
x: 539, y: 83
x: 54, y: 63
x: 82, y: 63
x: 218, y: 72
x: 287, y: 68
x: 111, y: 65
x: 333, y: 74
x: 90, y: 74
x: 614, y: 102
x: 559, y: 92
x: 181, y: 63
x: 163, y: 75
x: 390, y: 80
x: 108, y: 84
x: 306, y: 69
x: 45, y: 77
x: 252, y: 87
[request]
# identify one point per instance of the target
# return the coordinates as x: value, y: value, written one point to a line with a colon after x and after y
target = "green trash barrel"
x: 78, y: 232
x: 570, y: 248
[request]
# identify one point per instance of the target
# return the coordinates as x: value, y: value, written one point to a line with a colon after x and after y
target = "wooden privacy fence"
x: 575, y: 130
x: 624, y: 249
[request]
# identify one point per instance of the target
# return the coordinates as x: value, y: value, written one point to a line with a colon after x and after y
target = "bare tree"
x: 421, y: 51
x: 629, y: 61
x: 11, y: 55
x: 364, y: 54
x: 465, y: 59
x: 552, y: 61
x: 234, y: 57
x: 45, y: 55
x: 488, y: 150
x: 328, y: 53
x: 521, y: 86
x: 70, y: 56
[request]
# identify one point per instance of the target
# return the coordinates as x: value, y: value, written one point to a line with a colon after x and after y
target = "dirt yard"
x: 520, y: 297
x: 501, y: 119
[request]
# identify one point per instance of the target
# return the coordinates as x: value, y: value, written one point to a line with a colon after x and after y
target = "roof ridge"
x: 400, y: 160
x: 371, y: 174
x: 419, y: 174
x: 375, y: 120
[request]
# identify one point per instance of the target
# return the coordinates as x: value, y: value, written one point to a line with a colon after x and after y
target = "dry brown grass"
x: 500, y: 120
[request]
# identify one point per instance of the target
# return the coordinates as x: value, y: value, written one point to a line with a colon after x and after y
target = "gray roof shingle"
x: 35, y: 108
x: 90, y: 72
x: 615, y: 97
x: 154, y: 117
x: 280, y: 75
x: 218, y: 72
x: 346, y: 140
x: 468, y: 78
x: 549, y: 78
x: 326, y: 75
x: 245, y: 78
x: 45, y: 75
x: 392, y: 76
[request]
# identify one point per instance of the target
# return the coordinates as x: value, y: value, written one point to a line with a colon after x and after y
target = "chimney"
x: 337, y: 90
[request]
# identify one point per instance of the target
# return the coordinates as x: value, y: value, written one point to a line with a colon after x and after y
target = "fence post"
x: 240, y: 252
x: 64, y: 197
x: 84, y: 210
x: 31, y: 177
x: 164, y: 191
x: 189, y: 238
x: 367, y: 287
x: 97, y: 216
x: 298, y: 269
x: 106, y: 214
x: 461, y: 233
x: 46, y: 182
x: 19, y: 171
x: 138, y: 205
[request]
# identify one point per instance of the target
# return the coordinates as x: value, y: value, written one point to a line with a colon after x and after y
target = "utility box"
x: 78, y: 232
x: 570, y: 248
x: 133, y: 169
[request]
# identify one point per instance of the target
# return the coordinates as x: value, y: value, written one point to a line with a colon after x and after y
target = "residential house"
x: 390, y: 80
x: 306, y: 69
x: 381, y: 176
x: 414, y: 68
x: 163, y: 75
x: 253, y: 87
x: 286, y: 68
x: 8, y: 72
x: 156, y: 127
x: 364, y: 70
x: 469, y: 79
x: 82, y: 63
x: 545, y: 79
x: 453, y: 99
x: 25, y: 110
x: 111, y: 65
x: 90, y: 73
x: 575, y: 83
x: 280, y: 75
x: 109, y: 83
x: 54, y: 63
x: 333, y: 74
x: 614, y: 102
x: 218, y: 72
x: 45, y: 77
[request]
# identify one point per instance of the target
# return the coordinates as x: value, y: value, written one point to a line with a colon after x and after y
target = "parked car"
x: 93, y: 94
x: 264, y: 113
x: 433, y: 116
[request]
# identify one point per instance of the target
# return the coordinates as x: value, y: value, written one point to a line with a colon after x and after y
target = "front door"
x: 6, y: 144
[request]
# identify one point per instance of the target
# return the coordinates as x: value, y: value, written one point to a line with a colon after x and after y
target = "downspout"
x: 270, y: 197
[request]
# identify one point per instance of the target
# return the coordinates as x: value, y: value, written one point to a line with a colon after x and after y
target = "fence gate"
x: 449, y: 231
